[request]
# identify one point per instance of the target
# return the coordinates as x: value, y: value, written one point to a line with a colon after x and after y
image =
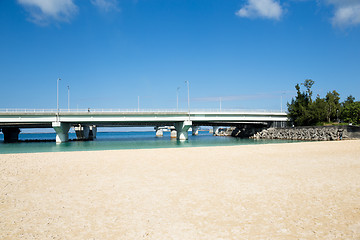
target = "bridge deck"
x: 37, y: 119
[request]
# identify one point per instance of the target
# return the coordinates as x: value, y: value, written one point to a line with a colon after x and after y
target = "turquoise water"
x: 121, y: 140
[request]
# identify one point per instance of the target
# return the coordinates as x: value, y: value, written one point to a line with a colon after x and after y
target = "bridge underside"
x: 87, y: 131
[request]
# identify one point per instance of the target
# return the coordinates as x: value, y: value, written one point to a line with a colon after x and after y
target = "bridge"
x: 85, y: 122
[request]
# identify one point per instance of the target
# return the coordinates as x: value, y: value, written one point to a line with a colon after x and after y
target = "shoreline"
x: 301, y: 190
x: 185, y: 144
x: 191, y: 147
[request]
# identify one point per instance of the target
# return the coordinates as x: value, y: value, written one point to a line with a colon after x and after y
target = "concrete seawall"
x: 314, y: 133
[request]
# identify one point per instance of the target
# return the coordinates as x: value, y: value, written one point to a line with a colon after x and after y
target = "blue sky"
x: 247, y: 52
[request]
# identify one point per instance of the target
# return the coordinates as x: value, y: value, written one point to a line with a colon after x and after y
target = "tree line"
x: 303, y: 110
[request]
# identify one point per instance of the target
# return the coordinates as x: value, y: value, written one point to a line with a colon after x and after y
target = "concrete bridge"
x: 86, y: 122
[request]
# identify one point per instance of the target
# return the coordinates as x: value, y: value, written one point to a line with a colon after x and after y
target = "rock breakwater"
x: 317, y: 133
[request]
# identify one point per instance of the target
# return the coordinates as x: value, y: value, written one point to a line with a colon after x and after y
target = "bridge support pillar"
x: 173, y: 133
x: 11, y: 134
x: 159, y: 131
x: 195, y: 130
x: 215, y: 130
x: 182, y: 130
x: 82, y: 132
x: 62, y: 131
x: 92, y: 132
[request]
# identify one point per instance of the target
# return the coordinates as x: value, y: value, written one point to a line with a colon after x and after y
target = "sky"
x: 121, y: 54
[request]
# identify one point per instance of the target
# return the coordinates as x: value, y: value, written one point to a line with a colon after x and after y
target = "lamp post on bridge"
x: 188, y: 87
x: 57, y: 97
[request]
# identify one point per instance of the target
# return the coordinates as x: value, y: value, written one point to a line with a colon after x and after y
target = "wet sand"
x: 274, y: 191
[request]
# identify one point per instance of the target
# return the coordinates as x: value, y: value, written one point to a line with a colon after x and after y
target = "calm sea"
x: 120, y: 140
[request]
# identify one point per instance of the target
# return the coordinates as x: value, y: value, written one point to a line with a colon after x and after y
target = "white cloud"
x: 270, y: 9
x: 106, y: 5
x: 347, y: 12
x: 42, y: 12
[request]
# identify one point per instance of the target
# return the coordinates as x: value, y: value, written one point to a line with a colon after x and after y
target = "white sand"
x: 277, y: 191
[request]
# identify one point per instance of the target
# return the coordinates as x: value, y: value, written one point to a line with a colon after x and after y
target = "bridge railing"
x: 113, y: 110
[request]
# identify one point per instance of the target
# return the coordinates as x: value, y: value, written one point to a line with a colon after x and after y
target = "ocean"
x: 120, y: 140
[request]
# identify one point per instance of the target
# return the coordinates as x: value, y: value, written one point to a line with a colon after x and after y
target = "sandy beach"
x: 305, y: 190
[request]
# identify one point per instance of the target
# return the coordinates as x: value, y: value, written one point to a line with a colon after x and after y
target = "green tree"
x: 299, y: 110
x: 349, y: 99
x: 318, y: 108
x: 351, y: 110
x: 308, y: 83
x: 303, y: 111
x: 332, y: 105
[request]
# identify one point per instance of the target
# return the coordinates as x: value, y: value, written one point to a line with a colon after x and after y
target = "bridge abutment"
x: 182, y: 130
x: 62, y: 131
x: 11, y: 134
